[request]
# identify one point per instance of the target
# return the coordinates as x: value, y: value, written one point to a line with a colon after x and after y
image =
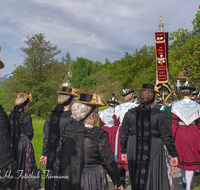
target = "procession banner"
x: 161, y: 44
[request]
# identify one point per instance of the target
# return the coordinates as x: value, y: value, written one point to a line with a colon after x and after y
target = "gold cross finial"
x: 161, y: 25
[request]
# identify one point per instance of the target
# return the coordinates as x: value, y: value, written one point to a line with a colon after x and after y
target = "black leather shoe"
x: 184, y: 185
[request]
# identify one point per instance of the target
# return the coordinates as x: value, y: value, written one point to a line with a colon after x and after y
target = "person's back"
x: 7, y: 161
x: 186, y: 133
x: 54, y: 129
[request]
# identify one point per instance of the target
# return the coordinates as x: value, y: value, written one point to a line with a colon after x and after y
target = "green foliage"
x: 196, y: 20
x: 41, y: 75
x: 83, y: 71
x: 132, y: 71
x: 184, y: 51
x: 1, y: 93
x: 196, y: 188
x: 106, y: 84
x: 138, y: 68
x: 67, y: 60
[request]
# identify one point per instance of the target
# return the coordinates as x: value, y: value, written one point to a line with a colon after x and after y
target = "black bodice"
x: 160, y: 128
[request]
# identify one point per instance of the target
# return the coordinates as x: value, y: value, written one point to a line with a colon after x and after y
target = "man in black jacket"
x: 53, y: 130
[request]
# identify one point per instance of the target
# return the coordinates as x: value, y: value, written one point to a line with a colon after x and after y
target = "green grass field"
x: 37, y: 141
x: 198, y: 181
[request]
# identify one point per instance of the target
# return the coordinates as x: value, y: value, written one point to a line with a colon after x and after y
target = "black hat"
x: 150, y: 87
x: 112, y: 100
x: 187, y: 85
x: 126, y: 91
x: 89, y: 99
x: 68, y: 91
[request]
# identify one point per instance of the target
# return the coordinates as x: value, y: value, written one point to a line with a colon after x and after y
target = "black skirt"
x: 25, y: 164
x: 157, y: 177
x: 94, y: 178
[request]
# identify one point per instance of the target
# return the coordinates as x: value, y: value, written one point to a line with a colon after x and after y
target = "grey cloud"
x: 90, y: 29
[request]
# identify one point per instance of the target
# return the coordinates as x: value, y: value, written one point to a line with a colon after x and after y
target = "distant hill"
x: 5, y: 77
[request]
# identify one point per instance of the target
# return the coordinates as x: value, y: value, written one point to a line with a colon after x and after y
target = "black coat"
x: 84, y: 147
x: 65, y: 120
x: 52, y: 140
x: 159, y: 128
x: 160, y: 132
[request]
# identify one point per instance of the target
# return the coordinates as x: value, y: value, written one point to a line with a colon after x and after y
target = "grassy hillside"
x: 37, y: 141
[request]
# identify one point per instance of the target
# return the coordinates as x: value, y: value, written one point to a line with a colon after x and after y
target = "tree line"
x: 42, y: 75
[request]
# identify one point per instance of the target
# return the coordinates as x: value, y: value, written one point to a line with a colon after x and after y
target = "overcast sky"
x: 93, y: 29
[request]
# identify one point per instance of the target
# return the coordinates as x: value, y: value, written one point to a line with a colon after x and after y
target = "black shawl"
x: 53, y: 140
x: 73, y: 150
x: 15, y: 127
x: 143, y: 145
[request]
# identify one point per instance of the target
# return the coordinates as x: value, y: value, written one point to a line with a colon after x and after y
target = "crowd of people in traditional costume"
x: 139, y: 135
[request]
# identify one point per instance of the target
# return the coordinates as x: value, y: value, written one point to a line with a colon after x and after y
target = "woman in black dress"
x: 22, y: 134
x: 148, y: 128
x: 86, y: 153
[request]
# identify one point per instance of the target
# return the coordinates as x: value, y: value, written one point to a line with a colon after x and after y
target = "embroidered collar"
x: 187, y: 111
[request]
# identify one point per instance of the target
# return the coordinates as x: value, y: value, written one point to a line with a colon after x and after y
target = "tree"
x: 41, y: 75
x: 138, y: 68
x: 67, y: 60
x: 184, y: 51
x: 106, y: 84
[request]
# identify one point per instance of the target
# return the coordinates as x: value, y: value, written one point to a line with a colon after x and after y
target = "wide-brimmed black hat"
x: 150, y: 87
x: 112, y: 100
x: 68, y: 91
x: 187, y: 85
x: 127, y: 91
x: 89, y: 99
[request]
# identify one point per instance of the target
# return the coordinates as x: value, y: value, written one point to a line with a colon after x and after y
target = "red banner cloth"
x: 161, y: 44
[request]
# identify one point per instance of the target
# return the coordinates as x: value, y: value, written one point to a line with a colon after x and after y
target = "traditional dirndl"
x: 187, y: 142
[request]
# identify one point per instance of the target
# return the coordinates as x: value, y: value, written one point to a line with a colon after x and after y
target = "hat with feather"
x: 187, y: 85
x: 112, y: 100
x: 126, y: 91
